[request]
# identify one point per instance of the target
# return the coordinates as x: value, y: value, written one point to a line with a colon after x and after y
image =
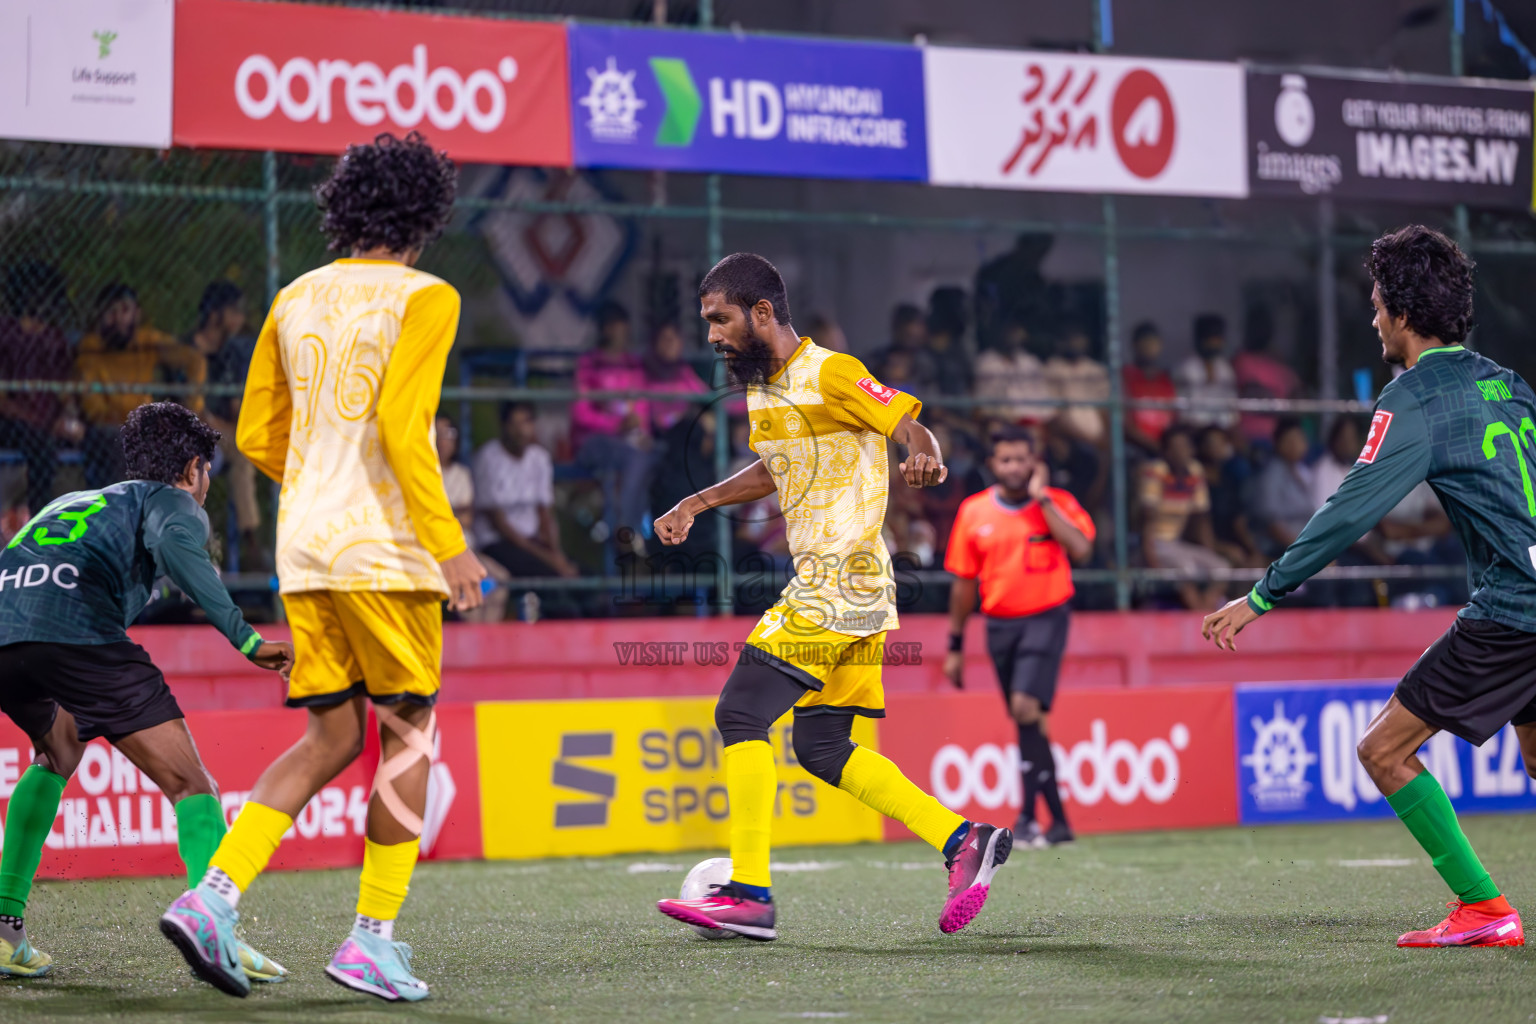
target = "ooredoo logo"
x: 1141, y: 115
x: 407, y: 93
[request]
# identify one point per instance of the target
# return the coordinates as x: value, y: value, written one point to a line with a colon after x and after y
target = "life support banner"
x: 1157, y: 758
x: 562, y: 778
x: 113, y: 821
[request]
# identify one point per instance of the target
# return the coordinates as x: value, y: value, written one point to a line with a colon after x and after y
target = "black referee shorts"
x: 1026, y: 652
x: 1475, y: 678
x: 111, y: 689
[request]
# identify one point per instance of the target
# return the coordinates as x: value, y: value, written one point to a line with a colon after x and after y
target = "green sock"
x: 34, y: 803
x: 199, y: 827
x: 1426, y: 810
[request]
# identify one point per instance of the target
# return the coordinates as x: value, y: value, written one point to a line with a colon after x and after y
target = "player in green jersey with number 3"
x: 1468, y: 426
x: 71, y: 582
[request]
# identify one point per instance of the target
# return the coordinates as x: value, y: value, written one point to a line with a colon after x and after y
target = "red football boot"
x: 725, y: 907
x: 984, y: 850
x: 1487, y: 923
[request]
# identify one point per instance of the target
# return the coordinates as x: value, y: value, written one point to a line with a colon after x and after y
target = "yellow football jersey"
x: 339, y: 406
x: 820, y: 426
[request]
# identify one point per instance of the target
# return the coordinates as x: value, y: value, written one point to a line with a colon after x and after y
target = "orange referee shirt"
x: 1022, y: 569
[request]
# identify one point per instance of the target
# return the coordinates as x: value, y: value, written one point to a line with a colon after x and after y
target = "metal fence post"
x: 1327, y: 309
x: 1115, y: 360
x: 269, y: 220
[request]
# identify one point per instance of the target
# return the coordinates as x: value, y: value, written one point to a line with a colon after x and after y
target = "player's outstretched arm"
x: 749, y: 484
x: 924, y: 464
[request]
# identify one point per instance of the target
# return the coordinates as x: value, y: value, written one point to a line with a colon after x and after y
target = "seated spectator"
x: 1229, y: 478
x: 1075, y: 376
x: 1146, y: 378
x: 825, y: 332
x: 900, y: 374
x: 941, y: 502
x: 946, y: 340
x: 612, y: 437
x: 1012, y: 380
x: 124, y: 350
x: 227, y: 350
x: 1282, y: 496
x: 1074, y: 464
x: 1343, y: 450
x: 459, y: 485
x: 665, y: 370
x: 33, y: 347
x: 1207, y: 376
x: 1418, y: 532
x: 1261, y: 375
x: 514, y: 494
x: 1175, y: 504
x: 909, y: 333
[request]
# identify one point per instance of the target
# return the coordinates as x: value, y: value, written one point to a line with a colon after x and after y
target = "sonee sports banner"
x: 689, y: 101
x: 1409, y: 142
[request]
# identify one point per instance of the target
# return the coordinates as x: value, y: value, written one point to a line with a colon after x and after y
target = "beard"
x: 752, y: 365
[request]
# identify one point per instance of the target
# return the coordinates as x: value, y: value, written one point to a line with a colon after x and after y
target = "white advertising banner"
x: 86, y: 71
x: 1061, y: 122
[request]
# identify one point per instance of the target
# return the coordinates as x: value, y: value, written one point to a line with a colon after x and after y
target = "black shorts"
x: 111, y: 689
x: 1027, y: 653
x: 1475, y: 678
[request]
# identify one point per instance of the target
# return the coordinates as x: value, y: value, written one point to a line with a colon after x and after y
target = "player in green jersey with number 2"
x: 70, y: 583
x: 1468, y: 426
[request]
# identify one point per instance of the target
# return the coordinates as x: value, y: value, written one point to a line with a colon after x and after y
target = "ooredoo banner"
x: 1083, y: 123
x: 1412, y: 142
x: 1125, y: 759
x: 311, y: 79
x: 563, y: 778
x: 96, y: 71
x: 1296, y: 757
x: 760, y: 105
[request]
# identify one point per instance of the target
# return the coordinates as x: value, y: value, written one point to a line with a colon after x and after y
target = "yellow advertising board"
x: 566, y: 778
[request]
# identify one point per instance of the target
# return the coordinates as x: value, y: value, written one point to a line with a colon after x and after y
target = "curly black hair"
x: 395, y: 194
x: 1424, y: 275
x: 160, y: 438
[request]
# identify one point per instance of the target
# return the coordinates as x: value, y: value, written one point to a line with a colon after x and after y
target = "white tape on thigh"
x: 418, y: 746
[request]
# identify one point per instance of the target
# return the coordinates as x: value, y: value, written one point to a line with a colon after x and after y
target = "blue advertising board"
x: 688, y: 101
x: 1296, y: 757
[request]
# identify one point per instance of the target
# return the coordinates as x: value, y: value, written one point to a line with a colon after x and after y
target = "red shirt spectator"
x: 1145, y: 378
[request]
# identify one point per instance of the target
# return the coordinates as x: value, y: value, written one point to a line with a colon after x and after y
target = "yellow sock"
x: 386, y: 878
x: 751, y: 781
x: 878, y: 783
x: 250, y: 842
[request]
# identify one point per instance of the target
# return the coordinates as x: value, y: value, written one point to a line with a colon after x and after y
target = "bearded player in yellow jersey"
x: 819, y: 426
x: 339, y: 406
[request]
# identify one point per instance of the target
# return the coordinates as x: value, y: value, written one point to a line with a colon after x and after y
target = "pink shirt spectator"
x: 602, y: 371
x: 683, y: 380
x: 1262, y: 376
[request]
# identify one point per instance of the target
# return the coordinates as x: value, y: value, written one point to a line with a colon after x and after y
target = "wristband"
x: 956, y: 643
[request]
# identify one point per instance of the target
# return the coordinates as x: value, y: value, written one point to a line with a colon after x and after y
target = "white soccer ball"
x: 706, y: 873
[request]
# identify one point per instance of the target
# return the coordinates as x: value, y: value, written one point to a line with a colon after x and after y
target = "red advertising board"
x: 1125, y: 759
x: 113, y: 821
x: 311, y: 79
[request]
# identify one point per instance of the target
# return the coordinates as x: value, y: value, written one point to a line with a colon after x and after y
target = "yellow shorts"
x: 387, y: 645
x: 841, y: 672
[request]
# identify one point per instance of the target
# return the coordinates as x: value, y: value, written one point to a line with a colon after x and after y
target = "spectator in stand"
x: 33, y: 347
x: 220, y: 339
x: 1418, y: 532
x: 459, y: 485
x: 1261, y: 375
x: 124, y: 350
x: 1075, y: 376
x: 900, y: 373
x: 612, y: 437
x: 1146, y: 378
x: 1012, y: 380
x: 1074, y: 464
x: 665, y: 370
x: 1207, y: 376
x: 1175, y: 504
x: 1343, y: 450
x: 514, y: 495
x: 946, y: 340
x: 1012, y: 289
x: 909, y: 333
x: 825, y: 332
x: 1282, y: 497
x: 942, y: 501
x: 1229, y: 479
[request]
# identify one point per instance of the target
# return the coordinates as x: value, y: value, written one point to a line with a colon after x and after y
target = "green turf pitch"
x: 1274, y: 924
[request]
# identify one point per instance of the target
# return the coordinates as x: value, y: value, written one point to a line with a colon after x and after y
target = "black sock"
x: 1030, y: 743
x: 1045, y: 775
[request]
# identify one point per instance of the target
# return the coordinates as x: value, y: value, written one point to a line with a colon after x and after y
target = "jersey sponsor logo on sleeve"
x: 1373, y: 441
x: 879, y: 392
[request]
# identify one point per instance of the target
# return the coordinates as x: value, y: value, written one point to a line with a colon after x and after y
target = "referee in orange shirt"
x: 1015, y: 542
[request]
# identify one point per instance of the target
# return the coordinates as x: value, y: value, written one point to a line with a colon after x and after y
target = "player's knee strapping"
x: 755, y: 696
x: 418, y: 747
x: 823, y: 746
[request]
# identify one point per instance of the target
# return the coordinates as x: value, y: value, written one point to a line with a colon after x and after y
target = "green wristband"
x: 252, y: 642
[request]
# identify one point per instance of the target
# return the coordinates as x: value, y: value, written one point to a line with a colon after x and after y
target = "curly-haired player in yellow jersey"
x: 819, y: 426
x: 339, y: 406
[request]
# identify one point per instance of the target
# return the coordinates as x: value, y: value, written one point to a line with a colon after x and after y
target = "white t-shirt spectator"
x: 1197, y: 381
x: 516, y: 486
x: 459, y: 485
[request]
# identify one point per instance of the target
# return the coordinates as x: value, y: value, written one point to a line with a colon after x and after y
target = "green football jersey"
x: 82, y: 570
x: 1468, y: 426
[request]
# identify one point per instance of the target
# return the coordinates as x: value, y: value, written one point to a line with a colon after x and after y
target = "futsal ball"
x: 715, y: 871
